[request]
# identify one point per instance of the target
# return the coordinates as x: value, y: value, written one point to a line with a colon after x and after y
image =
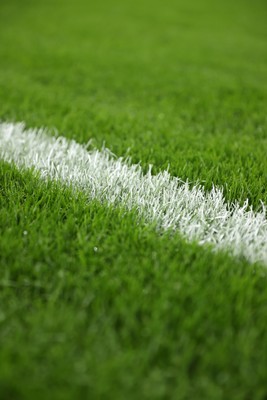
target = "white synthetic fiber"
x: 166, y: 200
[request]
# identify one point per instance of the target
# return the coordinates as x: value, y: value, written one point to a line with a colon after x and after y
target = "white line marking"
x: 163, y: 199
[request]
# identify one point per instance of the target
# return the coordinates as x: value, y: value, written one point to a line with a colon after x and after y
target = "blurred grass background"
x: 182, y: 82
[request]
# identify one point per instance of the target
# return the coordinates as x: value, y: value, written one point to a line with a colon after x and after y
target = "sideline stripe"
x: 168, y: 201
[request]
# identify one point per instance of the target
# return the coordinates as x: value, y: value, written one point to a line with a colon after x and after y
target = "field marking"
x: 166, y: 200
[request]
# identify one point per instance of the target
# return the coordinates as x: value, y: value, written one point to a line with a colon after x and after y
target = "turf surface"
x: 93, y: 304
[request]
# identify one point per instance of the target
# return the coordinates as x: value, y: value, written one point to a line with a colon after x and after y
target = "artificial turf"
x: 94, y: 304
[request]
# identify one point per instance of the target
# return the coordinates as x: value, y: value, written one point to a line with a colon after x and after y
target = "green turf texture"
x: 181, y: 83
x: 94, y: 304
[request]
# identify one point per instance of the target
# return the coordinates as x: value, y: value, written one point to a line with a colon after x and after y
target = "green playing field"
x: 95, y: 301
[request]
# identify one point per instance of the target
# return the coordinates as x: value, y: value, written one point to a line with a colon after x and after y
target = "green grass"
x: 95, y: 304
x: 181, y: 83
x: 144, y: 316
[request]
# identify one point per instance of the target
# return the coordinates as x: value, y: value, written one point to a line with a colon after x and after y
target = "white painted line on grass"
x: 161, y: 198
